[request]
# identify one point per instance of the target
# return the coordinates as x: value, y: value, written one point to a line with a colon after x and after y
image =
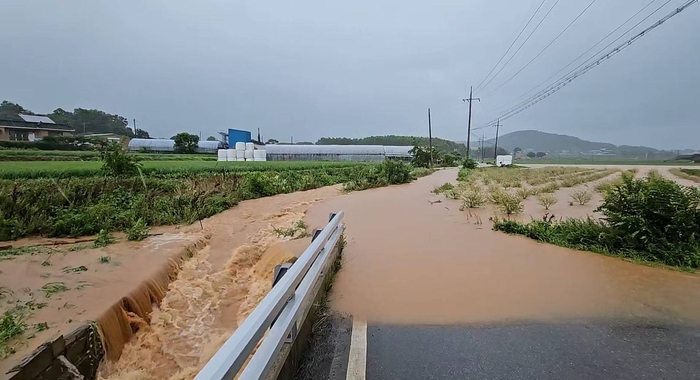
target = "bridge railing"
x: 282, y: 311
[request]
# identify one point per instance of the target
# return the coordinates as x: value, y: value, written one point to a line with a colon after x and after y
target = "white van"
x: 504, y: 160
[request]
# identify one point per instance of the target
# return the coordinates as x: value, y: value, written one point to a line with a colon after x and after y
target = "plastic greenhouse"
x: 367, y: 153
x: 166, y: 145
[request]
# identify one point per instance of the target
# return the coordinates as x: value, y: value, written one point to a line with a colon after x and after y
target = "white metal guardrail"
x: 286, y: 305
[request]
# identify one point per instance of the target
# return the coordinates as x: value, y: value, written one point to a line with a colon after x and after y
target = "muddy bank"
x: 216, y: 289
x: 410, y: 261
x: 64, y: 289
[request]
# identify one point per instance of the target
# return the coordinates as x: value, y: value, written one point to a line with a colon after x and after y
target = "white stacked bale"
x: 249, y: 155
x: 240, y: 146
x: 240, y: 153
x: 240, y: 159
x: 260, y: 153
x: 221, y: 154
x: 249, y: 146
x: 230, y: 155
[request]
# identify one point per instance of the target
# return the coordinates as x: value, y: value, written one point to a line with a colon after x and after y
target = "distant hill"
x: 442, y: 145
x: 552, y: 143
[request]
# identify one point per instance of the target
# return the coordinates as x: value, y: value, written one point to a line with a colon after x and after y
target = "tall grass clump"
x: 387, y: 173
x: 507, y: 203
x: 651, y: 219
x: 472, y: 197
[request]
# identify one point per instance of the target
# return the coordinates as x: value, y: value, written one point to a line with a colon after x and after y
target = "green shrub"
x: 104, y: 238
x: 118, y: 163
x: 138, y: 231
x: 464, y: 174
x: 547, y: 200
x: 582, y: 196
x: 468, y: 163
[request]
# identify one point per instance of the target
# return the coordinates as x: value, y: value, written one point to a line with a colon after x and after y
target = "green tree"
x: 9, y: 110
x: 441, y: 145
x: 272, y: 141
x: 211, y: 138
x: 531, y: 154
x: 186, y: 143
x: 541, y: 154
x: 421, y: 156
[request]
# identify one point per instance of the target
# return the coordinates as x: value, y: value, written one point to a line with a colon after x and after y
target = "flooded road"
x: 410, y: 261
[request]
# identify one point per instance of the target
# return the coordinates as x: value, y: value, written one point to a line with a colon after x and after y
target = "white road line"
x: 357, y: 360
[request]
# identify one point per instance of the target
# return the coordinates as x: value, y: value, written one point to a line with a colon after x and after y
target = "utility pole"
x: 495, y: 148
x: 469, y: 123
x: 135, y: 129
x: 483, y: 141
x: 430, y: 139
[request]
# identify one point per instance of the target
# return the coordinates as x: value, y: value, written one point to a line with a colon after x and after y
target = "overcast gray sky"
x: 352, y: 68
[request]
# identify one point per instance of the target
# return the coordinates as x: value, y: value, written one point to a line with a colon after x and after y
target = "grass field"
x: 65, y: 169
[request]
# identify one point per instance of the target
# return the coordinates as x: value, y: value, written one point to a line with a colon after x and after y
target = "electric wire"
x: 558, y: 85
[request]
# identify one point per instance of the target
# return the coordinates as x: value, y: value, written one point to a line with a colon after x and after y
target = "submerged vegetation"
x: 651, y: 219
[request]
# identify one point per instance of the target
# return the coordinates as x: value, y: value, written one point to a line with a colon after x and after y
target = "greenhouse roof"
x: 390, y: 151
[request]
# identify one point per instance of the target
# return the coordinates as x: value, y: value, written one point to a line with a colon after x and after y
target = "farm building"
x: 31, y: 128
x: 366, y: 153
x: 166, y: 145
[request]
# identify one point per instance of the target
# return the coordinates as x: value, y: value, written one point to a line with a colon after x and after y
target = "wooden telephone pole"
x: 495, y: 148
x: 430, y: 138
x: 469, y: 123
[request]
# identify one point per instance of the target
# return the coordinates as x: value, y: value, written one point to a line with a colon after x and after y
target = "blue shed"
x: 237, y: 135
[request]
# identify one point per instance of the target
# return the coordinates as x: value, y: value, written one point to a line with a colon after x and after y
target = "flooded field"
x: 411, y: 261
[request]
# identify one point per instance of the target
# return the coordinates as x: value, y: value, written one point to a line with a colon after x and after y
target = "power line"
x: 514, y: 101
x: 558, y: 85
x: 523, y: 44
x: 546, y: 47
x: 511, y: 45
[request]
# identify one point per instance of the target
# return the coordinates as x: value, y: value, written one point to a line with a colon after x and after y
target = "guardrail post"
x: 315, y: 233
x: 280, y: 270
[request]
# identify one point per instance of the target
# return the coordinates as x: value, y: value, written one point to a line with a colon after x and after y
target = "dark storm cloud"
x: 319, y: 68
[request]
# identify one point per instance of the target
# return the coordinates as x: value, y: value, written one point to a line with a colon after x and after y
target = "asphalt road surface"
x: 585, y: 349
x: 581, y: 350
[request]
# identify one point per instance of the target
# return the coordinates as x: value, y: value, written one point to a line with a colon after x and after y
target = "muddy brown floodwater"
x: 412, y: 262
x: 216, y: 289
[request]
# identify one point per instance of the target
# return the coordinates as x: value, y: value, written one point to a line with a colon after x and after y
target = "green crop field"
x: 65, y: 169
